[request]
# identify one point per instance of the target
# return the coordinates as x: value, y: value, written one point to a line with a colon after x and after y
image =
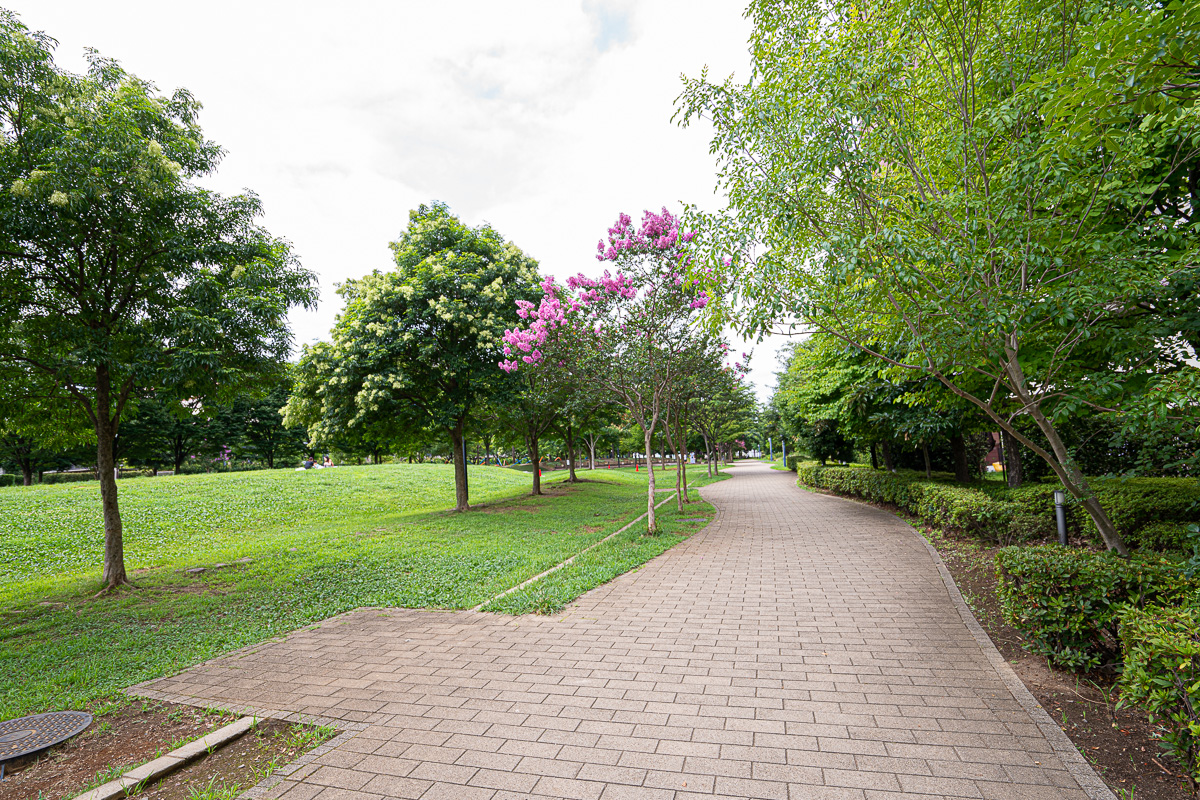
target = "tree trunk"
x: 459, y: 447
x: 1013, y: 475
x: 1062, y: 463
x: 571, y: 453
x: 651, y: 522
x: 681, y: 443
x: 962, y: 470
x: 106, y: 432
x: 1073, y: 480
x: 26, y: 472
x: 874, y: 456
x: 535, y: 459
x: 925, y: 453
x: 591, y: 443
x: 887, y: 457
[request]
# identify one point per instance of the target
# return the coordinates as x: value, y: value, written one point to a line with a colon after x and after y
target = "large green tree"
x: 118, y: 272
x: 418, y: 347
x: 904, y: 177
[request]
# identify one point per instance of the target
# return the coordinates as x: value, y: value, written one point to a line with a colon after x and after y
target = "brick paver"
x: 801, y: 647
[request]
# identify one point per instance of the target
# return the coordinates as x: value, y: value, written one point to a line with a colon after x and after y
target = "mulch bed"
x: 142, y: 730
x: 1121, y: 744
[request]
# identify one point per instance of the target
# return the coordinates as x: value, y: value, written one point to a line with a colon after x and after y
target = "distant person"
x: 328, y: 462
x: 309, y: 463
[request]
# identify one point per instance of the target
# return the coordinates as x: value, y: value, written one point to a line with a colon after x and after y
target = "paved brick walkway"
x: 801, y: 647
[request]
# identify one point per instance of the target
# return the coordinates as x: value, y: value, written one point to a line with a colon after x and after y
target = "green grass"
x: 322, y: 543
x: 608, y: 560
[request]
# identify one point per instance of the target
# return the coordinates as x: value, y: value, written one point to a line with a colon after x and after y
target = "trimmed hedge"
x: 10, y: 479
x: 68, y: 477
x: 1162, y: 675
x: 1066, y: 602
x: 943, y: 505
x: 1150, y: 513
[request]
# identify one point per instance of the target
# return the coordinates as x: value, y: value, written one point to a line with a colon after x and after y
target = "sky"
x: 544, y: 119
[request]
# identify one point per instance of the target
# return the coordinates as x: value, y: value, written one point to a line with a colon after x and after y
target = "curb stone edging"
x: 1074, y: 762
x: 177, y: 758
x: 1064, y: 748
x: 261, y: 790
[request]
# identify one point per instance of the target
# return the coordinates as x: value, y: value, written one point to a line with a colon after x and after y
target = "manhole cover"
x: 20, y: 737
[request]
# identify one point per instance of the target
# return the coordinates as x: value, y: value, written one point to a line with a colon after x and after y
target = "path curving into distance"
x: 801, y: 647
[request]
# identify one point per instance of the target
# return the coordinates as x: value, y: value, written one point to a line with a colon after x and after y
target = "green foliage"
x: 419, y: 347
x: 994, y: 512
x: 987, y: 245
x: 1066, y: 603
x: 1162, y: 675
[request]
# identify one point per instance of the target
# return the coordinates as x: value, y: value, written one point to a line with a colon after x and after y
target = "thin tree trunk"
x: 459, y: 447
x: 874, y: 456
x: 887, y: 457
x: 591, y: 443
x: 571, y: 452
x: 106, y: 432
x: 925, y: 452
x: 1063, y: 464
x: 651, y: 522
x: 962, y: 470
x: 535, y: 460
x: 681, y: 444
x: 1013, y: 475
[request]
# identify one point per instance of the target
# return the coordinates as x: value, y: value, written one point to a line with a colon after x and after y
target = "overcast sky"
x: 545, y: 119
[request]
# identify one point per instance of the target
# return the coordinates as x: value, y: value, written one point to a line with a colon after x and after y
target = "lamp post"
x: 783, y: 448
x: 771, y: 447
x: 1060, y: 498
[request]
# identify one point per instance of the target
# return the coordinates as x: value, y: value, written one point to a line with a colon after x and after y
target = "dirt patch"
x: 1121, y: 745
x: 239, y: 765
x: 143, y: 730
x: 129, y: 735
x: 592, y: 528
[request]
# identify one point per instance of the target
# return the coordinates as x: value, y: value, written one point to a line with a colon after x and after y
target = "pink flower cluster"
x: 550, y: 314
x: 658, y: 232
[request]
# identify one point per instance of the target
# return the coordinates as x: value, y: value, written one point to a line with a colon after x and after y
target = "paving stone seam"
x: 1068, y: 753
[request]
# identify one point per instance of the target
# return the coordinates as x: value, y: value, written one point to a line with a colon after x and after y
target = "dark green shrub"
x: 1170, y: 537
x: 68, y: 477
x: 1065, y: 602
x: 1162, y: 675
x: 794, y: 460
x: 9, y: 479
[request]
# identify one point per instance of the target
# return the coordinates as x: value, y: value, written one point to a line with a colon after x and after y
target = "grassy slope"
x: 322, y: 543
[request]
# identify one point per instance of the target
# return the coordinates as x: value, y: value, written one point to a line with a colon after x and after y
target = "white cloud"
x: 543, y: 118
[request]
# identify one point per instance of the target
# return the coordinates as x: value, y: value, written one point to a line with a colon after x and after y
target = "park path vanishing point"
x: 800, y: 647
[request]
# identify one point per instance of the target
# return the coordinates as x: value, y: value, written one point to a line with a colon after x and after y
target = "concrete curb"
x: 1072, y: 760
x: 164, y: 765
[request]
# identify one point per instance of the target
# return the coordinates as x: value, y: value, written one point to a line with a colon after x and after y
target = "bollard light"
x: 1060, y: 499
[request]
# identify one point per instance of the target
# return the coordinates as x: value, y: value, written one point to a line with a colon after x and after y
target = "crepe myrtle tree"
x: 119, y: 273
x: 546, y: 382
x: 416, y: 348
x: 630, y: 328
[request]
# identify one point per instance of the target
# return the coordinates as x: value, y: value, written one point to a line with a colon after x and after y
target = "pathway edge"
x: 1074, y: 762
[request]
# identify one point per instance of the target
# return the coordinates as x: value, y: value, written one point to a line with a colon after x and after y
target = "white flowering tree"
x: 418, y: 347
x: 119, y: 273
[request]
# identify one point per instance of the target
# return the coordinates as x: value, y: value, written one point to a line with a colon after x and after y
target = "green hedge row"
x: 1066, y: 602
x: 1150, y: 513
x: 1082, y: 609
x: 1162, y: 675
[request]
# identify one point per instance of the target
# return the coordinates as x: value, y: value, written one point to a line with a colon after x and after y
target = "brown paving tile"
x: 798, y: 647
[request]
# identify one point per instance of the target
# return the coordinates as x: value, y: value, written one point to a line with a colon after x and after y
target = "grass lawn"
x: 321, y: 543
